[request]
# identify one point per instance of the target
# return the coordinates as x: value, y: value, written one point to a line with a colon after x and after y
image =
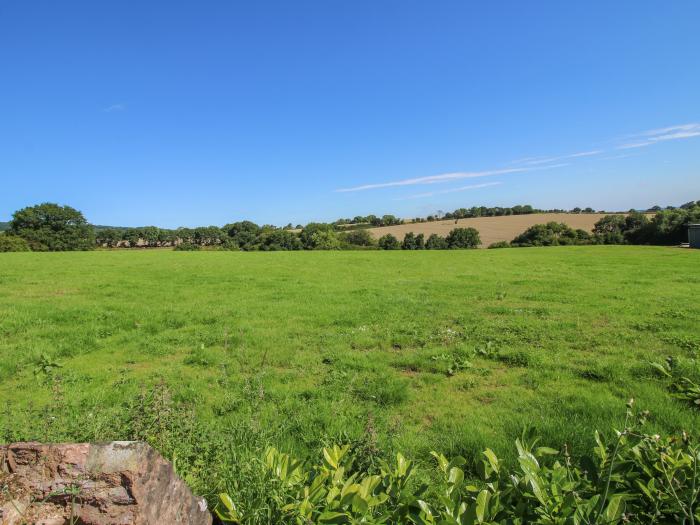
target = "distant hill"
x: 492, y: 229
x: 4, y: 226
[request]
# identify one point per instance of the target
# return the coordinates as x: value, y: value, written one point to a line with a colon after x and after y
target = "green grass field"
x: 213, y: 355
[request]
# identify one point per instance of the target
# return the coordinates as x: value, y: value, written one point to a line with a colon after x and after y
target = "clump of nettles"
x: 630, y: 477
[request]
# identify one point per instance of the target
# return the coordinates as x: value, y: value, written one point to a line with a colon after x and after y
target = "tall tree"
x: 50, y: 227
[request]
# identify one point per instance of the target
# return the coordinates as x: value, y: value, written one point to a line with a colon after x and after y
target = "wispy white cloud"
x: 621, y: 156
x: 445, y: 177
x: 671, y: 129
x: 451, y: 190
x: 638, y: 140
x: 654, y: 136
x: 114, y: 108
x: 547, y: 160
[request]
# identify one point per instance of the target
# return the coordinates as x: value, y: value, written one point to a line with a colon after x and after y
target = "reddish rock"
x: 118, y: 483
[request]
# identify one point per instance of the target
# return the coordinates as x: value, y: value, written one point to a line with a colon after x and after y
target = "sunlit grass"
x: 448, y: 351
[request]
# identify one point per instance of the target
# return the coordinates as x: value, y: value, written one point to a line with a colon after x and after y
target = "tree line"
x: 668, y: 227
x: 50, y: 227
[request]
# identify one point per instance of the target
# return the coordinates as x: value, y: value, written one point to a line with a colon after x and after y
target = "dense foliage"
x: 53, y: 227
x: 483, y: 211
x: 50, y: 227
x: 12, y: 243
x: 667, y: 227
x: 630, y: 477
x: 551, y: 234
x: 389, y: 242
x: 461, y: 238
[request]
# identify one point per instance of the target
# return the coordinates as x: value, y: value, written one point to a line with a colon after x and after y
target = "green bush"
x: 631, y: 477
x: 360, y: 237
x: 463, y: 238
x: 12, y: 243
x: 324, y: 240
x: 389, y: 242
x: 435, y: 242
x: 187, y: 247
x: 551, y: 234
x: 412, y: 241
x: 499, y: 244
x: 620, y: 229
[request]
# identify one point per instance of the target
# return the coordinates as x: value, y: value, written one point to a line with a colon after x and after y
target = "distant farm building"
x: 694, y: 235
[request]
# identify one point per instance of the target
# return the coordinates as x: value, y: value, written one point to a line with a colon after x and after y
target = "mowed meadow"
x: 211, y: 356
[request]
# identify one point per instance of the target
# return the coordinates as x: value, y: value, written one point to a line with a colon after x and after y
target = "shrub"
x: 12, y: 243
x: 389, y: 242
x: 632, y: 478
x: 462, y: 238
x: 435, y: 242
x: 499, y: 244
x: 187, y: 247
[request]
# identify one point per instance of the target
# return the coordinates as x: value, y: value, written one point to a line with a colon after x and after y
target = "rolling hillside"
x: 492, y: 229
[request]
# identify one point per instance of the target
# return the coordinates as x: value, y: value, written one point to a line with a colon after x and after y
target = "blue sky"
x: 196, y: 113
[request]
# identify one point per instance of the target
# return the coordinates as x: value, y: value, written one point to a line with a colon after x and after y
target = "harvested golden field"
x: 492, y: 229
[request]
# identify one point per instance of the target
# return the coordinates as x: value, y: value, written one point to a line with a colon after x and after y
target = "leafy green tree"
x: 12, y: 243
x: 420, y: 242
x: 50, y: 227
x: 389, y: 242
x: 361, y: 237
x: 409, y: 241
x: 109, y: 237
x: 325, y: 240
x: 390, y: 220
x: 669, y: 227
x: 463, y: 238
x: 244, y: 234
x: 208, y: 235
x: 610, y: 230
x: 435, y: 242
x: 311, y: 229
x: 150, y: 236
x: 551, y: 234
x: 277, y: 240
x: 132, y: 237
x: 637, y: 228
